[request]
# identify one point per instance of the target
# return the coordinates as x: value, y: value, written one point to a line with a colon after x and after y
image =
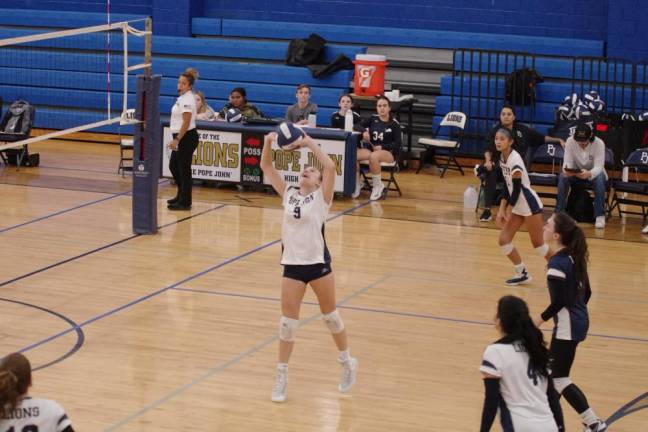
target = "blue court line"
x: 397, y: 313
x: 67, y: 210
x: 77, y: 169
x: 223, y: 366
x: 100, y: 248
x: 162, y: 290
x: 80, y: 335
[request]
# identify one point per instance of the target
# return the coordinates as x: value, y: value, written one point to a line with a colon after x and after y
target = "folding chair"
x: 636, y: 161
x: 455, y: 121
x: 126, y: 145
x: 547, y: 154
x: 389, y: 168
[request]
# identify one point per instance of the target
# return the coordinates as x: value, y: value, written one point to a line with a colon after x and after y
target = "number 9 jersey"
x: 302, y: 238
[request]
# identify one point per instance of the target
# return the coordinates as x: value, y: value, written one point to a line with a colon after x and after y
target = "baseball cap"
x: 583, y: 132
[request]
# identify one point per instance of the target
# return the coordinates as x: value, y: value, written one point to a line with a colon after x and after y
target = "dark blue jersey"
x: 337, y: 120
x: 568, y: 305
x: 388, y: 135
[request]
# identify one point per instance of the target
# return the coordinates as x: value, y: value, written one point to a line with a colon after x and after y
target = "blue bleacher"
x: 398, y: 36
x: 66, y: 78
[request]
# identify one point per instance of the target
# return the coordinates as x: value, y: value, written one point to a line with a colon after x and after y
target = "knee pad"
x: 561, y: 384
x: 507, y: 248
x: 333, y: 322
x: 288, y: 329
x: 542, y: 250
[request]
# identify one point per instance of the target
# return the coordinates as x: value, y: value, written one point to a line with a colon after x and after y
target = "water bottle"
x: 470, y: 198
x: 348, y: 121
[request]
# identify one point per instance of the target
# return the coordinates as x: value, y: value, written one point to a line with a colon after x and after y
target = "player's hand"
x: 173, y: 145
x: 584, y: 174
x: 500, y: 219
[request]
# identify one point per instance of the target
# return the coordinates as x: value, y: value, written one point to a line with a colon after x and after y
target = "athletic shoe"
x: 349, y: 372
x: 486, y: 216
x: 280, y: 388
x: 358, y: 188
x: 600, y: 222
x: 519, y: 278
x: 173, y: 200
x: 599, y: 426
x: 645, y: 230
x: 377, y: 191
x: 177, y: 206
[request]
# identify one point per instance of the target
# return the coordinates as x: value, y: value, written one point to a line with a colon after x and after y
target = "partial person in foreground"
x: 519, y: 205
x: 516, y: 375
x: 185, y: 140
x: 20, y: 412
x: 382, y: 141
x: 569, y: 291
x: 584, y: 166
x: 306, y: 258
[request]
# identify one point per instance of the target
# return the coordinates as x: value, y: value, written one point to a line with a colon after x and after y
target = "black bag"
x: 303, y: 52
x: 340, y: 62
x: 580, y: 205
x: 521, y: 86
x: 17, y: 121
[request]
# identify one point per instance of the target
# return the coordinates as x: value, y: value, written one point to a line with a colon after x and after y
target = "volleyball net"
x: 80, y: 79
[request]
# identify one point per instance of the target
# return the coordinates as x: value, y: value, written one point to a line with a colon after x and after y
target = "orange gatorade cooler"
x: 369, y: 78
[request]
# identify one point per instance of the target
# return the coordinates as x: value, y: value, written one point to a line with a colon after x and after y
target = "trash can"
x: 369, y: 78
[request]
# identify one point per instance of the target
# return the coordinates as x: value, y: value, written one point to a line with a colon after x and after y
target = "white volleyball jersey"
x: 302, y: 236
x: 36, y: 415
x: 184, y: 103
x: 529, y: 202
x: 525, y: 407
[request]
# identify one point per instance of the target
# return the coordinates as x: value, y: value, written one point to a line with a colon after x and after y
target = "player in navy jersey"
x: 382, y: 142
x: 516, y: 376
x: 519, y: 205
x: 569, y: 290
x: 338, y: 117
x: 18, y: 411
x: 306, y: 258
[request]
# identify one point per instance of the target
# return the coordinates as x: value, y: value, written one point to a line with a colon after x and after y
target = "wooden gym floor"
x: 177, y: 331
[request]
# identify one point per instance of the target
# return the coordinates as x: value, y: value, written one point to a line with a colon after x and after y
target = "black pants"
x: 491, y: 179
x: 561, y: 357
x: 180, y: 165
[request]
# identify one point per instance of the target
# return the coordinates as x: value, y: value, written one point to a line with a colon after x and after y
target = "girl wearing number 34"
x: 306, y: 258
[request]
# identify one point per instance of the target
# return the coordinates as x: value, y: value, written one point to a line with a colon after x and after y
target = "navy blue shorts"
x: 306, y: 273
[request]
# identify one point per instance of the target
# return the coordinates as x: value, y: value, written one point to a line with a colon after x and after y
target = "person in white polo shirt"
x: 185, y: 139
x: 584, y: 165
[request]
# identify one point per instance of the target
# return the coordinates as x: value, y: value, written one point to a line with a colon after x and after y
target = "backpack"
x: 580, y: 205
x: 17, y: 121
x: 303, y: 52
x: 520, y: 86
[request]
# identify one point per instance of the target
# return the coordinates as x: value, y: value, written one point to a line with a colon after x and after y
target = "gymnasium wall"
x: 627, y: 35
x: 584, y: 19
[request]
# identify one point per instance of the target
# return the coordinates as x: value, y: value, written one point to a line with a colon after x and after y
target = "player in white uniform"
x: 520, y: 204
x: 20, y: 412
x: 306, y: 258
x: 516, y: 377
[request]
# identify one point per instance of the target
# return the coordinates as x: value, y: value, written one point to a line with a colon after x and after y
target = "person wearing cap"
x: 584, y: 165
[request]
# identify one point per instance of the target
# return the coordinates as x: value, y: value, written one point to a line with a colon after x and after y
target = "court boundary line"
x: 223, y: 366
x: 167, y: 288
x: 79, y: 331
x: 101, y: 248
x: 397, y: 313
x: 70, y: 209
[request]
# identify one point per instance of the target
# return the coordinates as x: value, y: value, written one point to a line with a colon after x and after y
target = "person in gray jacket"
x: 584, y: 165
x: 299, y: 112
